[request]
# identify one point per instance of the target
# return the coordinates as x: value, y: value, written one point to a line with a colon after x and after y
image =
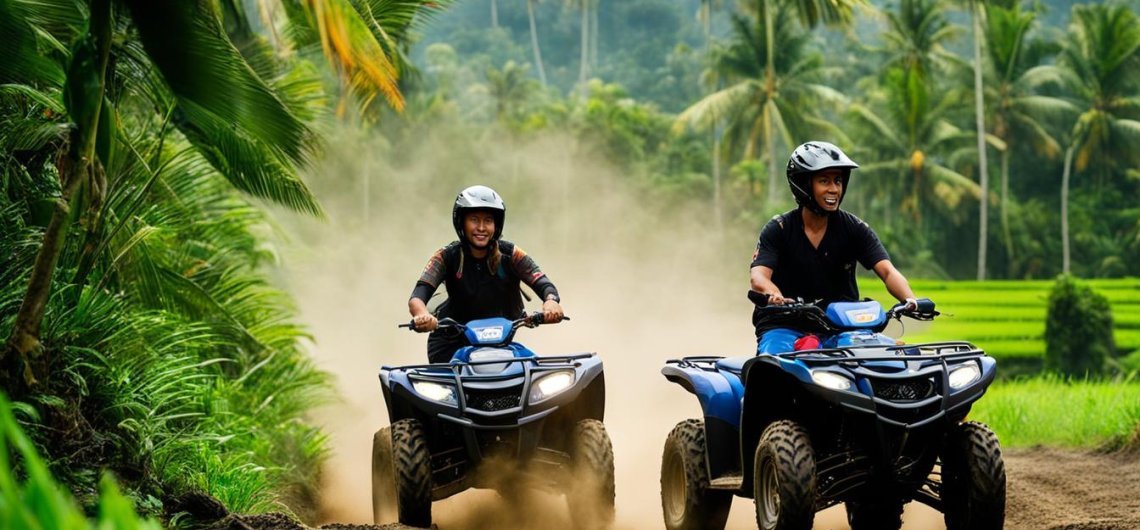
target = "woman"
x: 482, y: 274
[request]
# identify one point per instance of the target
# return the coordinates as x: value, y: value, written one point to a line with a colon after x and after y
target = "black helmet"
x: 809, y: 159
x: 478, y: 198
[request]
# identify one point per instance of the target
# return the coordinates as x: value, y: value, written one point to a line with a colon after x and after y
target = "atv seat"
x: 733, y: 364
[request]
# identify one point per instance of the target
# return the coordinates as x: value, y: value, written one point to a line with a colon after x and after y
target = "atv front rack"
x: 450, y: 366
x: 903, y: 352
x: 907, y: 352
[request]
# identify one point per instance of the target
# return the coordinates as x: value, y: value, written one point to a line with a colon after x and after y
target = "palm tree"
x: 1100, y: 66
x: 916, y: 35
x: 249, y: 130
x: 705, y: 15
x: 810, y: 13
x: 1018, y: 114
x: 905, y: 136
x: 509, y: 87
x: 534, y: 41
x: 586, y: 7
x: 756, y: 105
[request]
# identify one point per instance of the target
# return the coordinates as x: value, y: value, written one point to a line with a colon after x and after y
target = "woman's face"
x: 827, y: 188
x: 479, y: 227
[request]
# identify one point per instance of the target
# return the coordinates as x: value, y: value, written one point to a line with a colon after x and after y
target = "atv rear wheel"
x: 412, y: 465
x: 973, y: 479
x: 876, y: 514
x: 784, y: 478
x: 686, y: 501
x: 591, y: 496
x: 383, y: 481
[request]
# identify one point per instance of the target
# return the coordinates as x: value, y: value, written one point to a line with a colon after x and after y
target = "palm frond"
x: 245, y: 161
x: 21, y: 60
x: 720, y: 104
x: 186, y: 42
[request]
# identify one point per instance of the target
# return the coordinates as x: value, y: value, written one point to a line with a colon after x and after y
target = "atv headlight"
x: 550, y: 384
x: 964, y: 375
x: 831, y: 380
x: 435, y: 391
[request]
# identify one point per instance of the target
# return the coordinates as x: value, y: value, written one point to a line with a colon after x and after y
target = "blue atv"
x: 539, y: 416
x: 863, y: 420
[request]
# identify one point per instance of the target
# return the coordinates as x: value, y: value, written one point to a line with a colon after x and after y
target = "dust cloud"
x: 641, y: 283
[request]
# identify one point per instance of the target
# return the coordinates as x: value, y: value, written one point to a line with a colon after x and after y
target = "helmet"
x: 478, y: 198
x: 809, y: 159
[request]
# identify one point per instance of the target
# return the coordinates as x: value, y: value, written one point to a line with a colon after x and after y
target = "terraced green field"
x: 1007, y: 318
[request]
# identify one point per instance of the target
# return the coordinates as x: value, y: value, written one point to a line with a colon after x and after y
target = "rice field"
x: 1007, y: 318
x: 1049, y: 410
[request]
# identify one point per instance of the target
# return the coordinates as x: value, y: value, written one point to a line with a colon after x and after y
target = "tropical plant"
x: 1100, y: 70
x: 810, y: 13
x: 1019, y: 115
x: 916, y: 38
x: 40, y: 502
x: 181, y: 64
x: 907, y: 138
x: 756, y: 104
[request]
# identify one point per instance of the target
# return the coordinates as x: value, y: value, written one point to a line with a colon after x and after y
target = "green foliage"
x: 1078, y: 329
x: 31, y: 499
x: 1058, y: 411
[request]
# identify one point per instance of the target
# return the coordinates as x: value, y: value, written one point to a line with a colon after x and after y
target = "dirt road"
x: 1048, y: 489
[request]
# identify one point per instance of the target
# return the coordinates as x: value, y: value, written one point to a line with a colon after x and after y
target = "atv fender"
x: 771, y: 393
x: 720, y: 396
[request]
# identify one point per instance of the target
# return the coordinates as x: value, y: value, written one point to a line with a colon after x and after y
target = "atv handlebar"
x: 924, y: 311
x: 534, y: 319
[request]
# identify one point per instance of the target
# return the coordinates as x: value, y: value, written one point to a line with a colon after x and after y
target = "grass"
x: 1007, y: 318
x: 1053, y: 411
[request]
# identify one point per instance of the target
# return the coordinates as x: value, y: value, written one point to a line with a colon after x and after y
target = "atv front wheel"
x: 879, y: 514
x: 383, y: 482
x: 973, y: 479
x: 591, y: 496
x: 412, y: 464
x: 686, y: 501
x: 784, y: 478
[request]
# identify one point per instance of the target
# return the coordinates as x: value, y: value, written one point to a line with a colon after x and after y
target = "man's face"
x: 479, y: 227
x: 827, y: 188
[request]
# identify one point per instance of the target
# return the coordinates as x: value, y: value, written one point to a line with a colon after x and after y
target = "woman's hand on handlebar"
x: 551, y: 312
x: 425, y: 322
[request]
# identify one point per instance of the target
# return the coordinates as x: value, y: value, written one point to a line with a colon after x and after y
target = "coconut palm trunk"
x: 85, y: 102
x: 494, y: 13
x: 534, y: 42
x: 980, y: 122
x: 770, y: 89
x: 1006, y: 236
x: 584, y: 55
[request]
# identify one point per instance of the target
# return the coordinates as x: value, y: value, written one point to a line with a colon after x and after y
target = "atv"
x: 863, y: 420
x: 496, y: 399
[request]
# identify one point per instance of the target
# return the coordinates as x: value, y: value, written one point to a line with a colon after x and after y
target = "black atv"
x: 541, y: 416
x: 863, y: 420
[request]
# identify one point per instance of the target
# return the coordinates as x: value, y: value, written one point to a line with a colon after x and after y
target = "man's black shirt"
x: 825, y: 274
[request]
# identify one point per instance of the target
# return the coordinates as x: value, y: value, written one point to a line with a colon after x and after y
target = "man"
x: 482, y: 274
x: 810, y: 252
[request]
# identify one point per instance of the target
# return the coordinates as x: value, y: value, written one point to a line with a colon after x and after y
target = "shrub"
x: 1078, y: 329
